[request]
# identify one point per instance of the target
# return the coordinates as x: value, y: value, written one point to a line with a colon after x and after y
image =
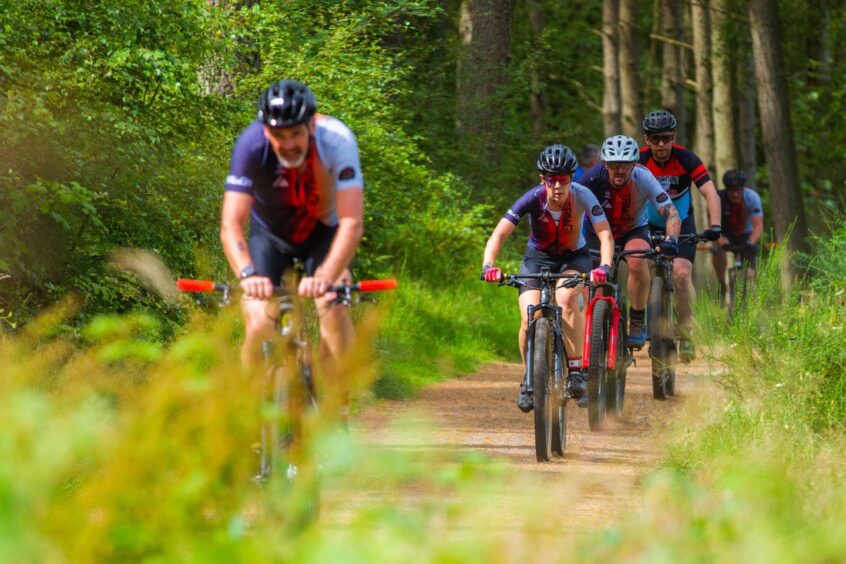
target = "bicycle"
x: 661, y: 315
x: 283, y: 393
x: 737, y: 269
x: 617, y: 357
x: 546, y: 358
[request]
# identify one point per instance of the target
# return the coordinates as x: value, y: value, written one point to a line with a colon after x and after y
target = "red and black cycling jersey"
x: 677, y: 174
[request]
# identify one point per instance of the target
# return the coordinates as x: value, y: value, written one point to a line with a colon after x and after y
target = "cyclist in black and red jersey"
x: 743, y: 222
x: 624, y: 188
x: 295, y: 179
x: 677, y: 168
x: 556, y: 209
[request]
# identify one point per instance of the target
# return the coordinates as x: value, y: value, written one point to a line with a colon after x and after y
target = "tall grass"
x: 759, y: 477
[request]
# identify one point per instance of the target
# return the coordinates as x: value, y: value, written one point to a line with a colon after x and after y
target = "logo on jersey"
x: 347, y: 173
x: 662, y: 197
x: 241, y: 181
x: 596, y: 210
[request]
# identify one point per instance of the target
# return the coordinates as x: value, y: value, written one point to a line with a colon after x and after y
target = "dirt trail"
x: 596, y: 480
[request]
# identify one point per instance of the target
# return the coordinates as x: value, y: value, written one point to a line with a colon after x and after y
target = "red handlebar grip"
x: 376, y: 285
x: 188, y: 285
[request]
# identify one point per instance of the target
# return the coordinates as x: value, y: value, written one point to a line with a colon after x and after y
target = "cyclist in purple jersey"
x: 295, y: 179
x: 624, y: 188
x: 743, y: 222
x: 678, y: 169
x: 556, y: 210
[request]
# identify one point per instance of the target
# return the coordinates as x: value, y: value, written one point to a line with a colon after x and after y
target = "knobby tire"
x: 542, y: 391
x: 600, y: 331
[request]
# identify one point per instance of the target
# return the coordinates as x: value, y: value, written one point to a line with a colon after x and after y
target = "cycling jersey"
x: 675, y: 176
x: 289, y: 202
x: 625, y: 207
x: 737, y: 218
x: 548, y: 234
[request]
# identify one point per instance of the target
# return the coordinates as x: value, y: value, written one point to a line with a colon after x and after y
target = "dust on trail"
x: 595, y: 482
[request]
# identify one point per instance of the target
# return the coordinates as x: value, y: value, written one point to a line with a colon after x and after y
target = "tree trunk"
x: 704, y: 142
x: 215, y: 77
x: 672, y: 77
x: 748, y: 120
x: 724, y: 125
x: 485, y: 30
x: 611, y: 118
x: 777, y: 130
x: 628, y: 56
x: 537, y: 97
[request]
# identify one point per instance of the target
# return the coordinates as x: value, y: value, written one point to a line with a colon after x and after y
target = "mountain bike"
x: 737, y: 279
x: 661, y: 315
x: 612, y: 328
x: 546, y: 359
x: 288, y: 386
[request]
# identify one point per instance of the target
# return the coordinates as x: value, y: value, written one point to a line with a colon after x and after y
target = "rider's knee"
x: 682, y: 271
x: 334, y: 317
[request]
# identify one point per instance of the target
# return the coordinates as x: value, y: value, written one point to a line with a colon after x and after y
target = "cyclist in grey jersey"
x: 624, y: 188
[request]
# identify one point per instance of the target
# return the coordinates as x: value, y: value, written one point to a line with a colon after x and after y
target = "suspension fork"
x: 611, y: 360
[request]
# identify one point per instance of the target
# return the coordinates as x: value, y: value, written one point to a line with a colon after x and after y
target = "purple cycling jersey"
x: 556, y: 236
x: 626, y: 207
x: 289, y: 202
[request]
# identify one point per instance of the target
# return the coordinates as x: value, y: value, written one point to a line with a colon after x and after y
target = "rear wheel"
x: 598, y: 372
x: 542, y: 388
x: 658, y: 332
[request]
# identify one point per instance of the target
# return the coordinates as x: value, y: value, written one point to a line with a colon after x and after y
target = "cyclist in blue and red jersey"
x: 743, y: 222
x: 624, y: 188
x: 677, y: 169
x: 556, y: 209
x: 295, y: 179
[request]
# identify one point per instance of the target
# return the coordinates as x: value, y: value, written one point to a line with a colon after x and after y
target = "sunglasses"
x: 661, y: 139
x: 552, y: 179
x: 620, y: 166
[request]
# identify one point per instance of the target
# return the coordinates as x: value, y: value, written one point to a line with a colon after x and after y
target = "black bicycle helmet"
x: 734, y: 178
x: 557, y: 159
x: 286, y: 103
x: 659, y: 121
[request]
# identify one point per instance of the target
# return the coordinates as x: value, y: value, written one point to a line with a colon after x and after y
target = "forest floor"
x: 596, y: 482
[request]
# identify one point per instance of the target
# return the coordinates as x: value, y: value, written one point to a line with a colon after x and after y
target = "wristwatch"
x: 249, y: 270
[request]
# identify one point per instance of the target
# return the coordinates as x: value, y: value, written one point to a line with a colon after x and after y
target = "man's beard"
x: 296, y: 163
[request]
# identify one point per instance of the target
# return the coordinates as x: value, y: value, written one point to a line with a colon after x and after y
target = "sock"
x: 574, y: 365
x: 637, y: 314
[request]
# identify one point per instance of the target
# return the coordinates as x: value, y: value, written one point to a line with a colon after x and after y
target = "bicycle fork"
x: 613, y: 337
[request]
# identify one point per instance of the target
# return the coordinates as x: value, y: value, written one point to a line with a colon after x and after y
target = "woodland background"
x: 118, y: 118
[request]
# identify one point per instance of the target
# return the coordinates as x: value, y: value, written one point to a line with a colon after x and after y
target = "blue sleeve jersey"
x: 551, y: 236
x: 737, y: 218
x: 290, y: 201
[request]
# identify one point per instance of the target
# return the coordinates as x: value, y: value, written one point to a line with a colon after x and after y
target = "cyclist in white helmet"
x: 623, y: 188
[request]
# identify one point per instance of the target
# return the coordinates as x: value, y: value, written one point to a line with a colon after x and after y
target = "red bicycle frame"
x: 613, y: 337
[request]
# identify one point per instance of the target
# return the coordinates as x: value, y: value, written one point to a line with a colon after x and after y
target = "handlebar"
x: 344, y: 290
x: 517, y: 280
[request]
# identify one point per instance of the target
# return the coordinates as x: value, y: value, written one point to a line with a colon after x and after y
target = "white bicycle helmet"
x: 620, y: 149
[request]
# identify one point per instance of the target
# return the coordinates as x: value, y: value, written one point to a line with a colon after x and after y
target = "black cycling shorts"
x: 272, y: 255
x: 593, y: 244
x: 534, y: 261
x: 748, y: 254
x: 687, y: 250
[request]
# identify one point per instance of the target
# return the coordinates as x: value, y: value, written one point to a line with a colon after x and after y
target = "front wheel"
x: 598, y: 371
x: 543, y: 389
x: 659, y: 337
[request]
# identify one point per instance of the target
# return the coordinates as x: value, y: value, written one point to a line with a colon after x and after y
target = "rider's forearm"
x: 235, y: 246
x: 606, y: 247
x: 341, y: 252
x: 757, y: 231
x: 492, y: 248
x: 671, y: 214
x: 712, y: 199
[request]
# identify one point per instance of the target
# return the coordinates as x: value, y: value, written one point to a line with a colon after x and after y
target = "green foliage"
x: 754, y: 473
